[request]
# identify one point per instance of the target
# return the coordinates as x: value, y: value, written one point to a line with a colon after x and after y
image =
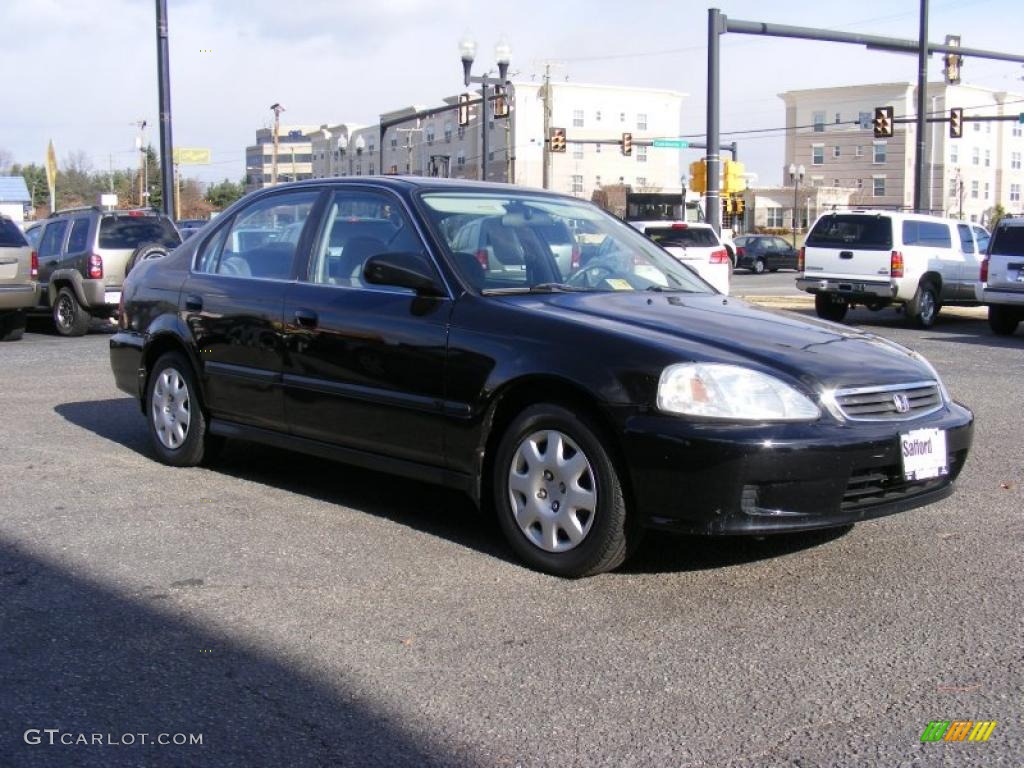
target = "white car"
x: 697, y: 246
x: 1002, y: 276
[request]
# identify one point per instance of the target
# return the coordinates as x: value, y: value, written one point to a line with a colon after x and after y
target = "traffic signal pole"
x: 712, y: 196
x: 922, y: 114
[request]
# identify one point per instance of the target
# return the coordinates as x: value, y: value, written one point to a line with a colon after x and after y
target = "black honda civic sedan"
x: 583, y: 391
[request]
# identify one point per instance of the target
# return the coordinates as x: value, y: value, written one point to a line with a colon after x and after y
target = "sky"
x: 83, y: 72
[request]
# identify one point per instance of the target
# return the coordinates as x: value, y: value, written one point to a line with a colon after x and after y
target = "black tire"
x: 12, y: 325
x: 197, y: 445
x: 1003, y: 320
x: 830, y: 307
x: 145, y: 251
x: 69, y: 317
x: 758, y: 267
x: 924, y: 307
x: 610, y: 535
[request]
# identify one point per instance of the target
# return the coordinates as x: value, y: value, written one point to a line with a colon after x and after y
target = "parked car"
x: 19, y: 287
x: 760, y: 253
x: 697, y: 246
x: 84, y: 254
x: 879, y: 258
x: 498, y: 246
x: 1001, y: 283
x: 582, y: 409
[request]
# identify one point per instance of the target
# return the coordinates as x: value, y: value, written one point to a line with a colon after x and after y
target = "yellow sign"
x: 51, y: 165
x: 191, y: 156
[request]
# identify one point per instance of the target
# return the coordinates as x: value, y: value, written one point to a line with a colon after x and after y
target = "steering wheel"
x: 590, y: 277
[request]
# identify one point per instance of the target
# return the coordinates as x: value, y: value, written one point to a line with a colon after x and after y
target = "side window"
x: 79, y: 238
x: 359, y: 224
x: 209, y: 252
x: 983, y: 239
x: 966, y: 241
x: 926, y: 233
x: 263, y: 238
x: 33, y: 235
x: 53, y: 238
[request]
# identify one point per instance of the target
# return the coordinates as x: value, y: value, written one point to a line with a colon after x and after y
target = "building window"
x: 622, y: 117
x: 490, y: 155
x: 577, y: 118
x: 835, y: 151
x: 773, y: 217
x: 597, y: 116
x: 988, y: 157
x: 577, y: 151
x: 977, y: 127
x: 878, y: 189
x: 394, y: 142
x: 641, y: 154
x: 371, y: 169
x: 1016, y: 130
x: 839, y: 120
x: 835, y: 182
x: 1015, y: 193
x: 577, y: 185
x: 597, y: 147
x: 864, y: 120
x: 448, y: 133
x: 879, y: 153
x: 987, y: 186
x: 974, y: 190
x: 954, y: 153
x: 953, y: 187
x: 597, y: 181
x: 819, y: 122
x: 462, y: 132
x: 1015, y: 160
x: 641, y: 181
x: 641, y: 121
x: 975, y: 156
x: 974, y: 218
x: 430, y: 134
x: 858, y: 151
x: 818, y: 154
x: 460, y: 159
x: 372, y: 148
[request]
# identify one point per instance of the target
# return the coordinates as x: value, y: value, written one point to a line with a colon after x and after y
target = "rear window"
x: 10, y: 235
x: 129, y: 232
x: 1008, y: 241
x: 866, y: 233
x: 927, y: 233
x: 691, y: 236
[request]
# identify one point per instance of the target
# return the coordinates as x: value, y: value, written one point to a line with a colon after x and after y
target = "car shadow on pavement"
x: 89, y: 658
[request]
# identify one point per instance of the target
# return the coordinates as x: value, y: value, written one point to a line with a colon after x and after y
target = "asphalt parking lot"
x: 302, y: 613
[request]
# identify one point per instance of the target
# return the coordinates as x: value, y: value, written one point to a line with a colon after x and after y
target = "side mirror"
x: 404, y: 270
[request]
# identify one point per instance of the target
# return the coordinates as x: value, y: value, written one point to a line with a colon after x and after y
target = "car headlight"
x: 719, y: 391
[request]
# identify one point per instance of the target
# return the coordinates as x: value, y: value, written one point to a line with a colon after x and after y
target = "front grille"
x: 882, y: 485
x: 894, y: 402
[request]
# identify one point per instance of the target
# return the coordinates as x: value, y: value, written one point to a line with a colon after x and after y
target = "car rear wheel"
x: 177, y: 424
x: 759, y: 266
x: 69, y: 317
x: 924, y: 307
x: 12, y: 325
x: 558, y: 495
x: 1003, y: 320
x: 830, y: 307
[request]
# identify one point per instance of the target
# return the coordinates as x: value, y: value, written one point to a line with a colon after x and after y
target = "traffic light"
x: 463, y: 110
x: 739, y: 206
x: 956, y: 123
x: 732, y: 176
x: 500, y: 101
x: 627, y: 144
x: 726, y: 207
x: 698, y: 176
x: 952, y: 61
x: 557, y: 140
x: 883, y: 123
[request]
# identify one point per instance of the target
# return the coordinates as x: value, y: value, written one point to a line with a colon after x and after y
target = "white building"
x: 438, y: 145
x: 294, y: 157
x: 14, y: 198
x: 830, y: 133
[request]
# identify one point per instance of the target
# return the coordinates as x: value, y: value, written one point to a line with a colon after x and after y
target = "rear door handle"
x: 194, y: 303
x: 307, y: 318
x: 846, y: 254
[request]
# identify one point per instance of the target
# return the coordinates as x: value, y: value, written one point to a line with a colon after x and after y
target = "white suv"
x: 1002, y: 276
x: 878, y: 258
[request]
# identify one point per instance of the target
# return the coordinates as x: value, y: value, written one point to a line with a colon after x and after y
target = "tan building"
x: 294, y: 159
x: 830, y: 132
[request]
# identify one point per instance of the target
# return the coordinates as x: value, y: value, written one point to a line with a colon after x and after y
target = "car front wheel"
x: 558, y: 495
x: 177, y: 424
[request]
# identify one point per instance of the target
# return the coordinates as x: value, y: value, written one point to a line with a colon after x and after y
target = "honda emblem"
x: 901, y: 402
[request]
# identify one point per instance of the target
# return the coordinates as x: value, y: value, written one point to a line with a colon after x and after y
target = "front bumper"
x: 711, y: 479
x: 853, y: 289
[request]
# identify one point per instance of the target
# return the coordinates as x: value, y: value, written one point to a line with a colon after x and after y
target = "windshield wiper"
x: 538, y: 288
x: 663, y: 289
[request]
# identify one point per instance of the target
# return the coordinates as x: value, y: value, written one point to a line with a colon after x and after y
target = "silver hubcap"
x: 553, y: 492
x: 927, y: 306
x: 65, y: 312
x: 171, y: 413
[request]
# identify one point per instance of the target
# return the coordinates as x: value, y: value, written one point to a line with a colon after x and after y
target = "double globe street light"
x: 796, y: 175
x: 502, y: 56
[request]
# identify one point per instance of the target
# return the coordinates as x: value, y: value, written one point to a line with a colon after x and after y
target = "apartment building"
x: 294, y: 158
x: 437, y: 145
x: 830, y: 133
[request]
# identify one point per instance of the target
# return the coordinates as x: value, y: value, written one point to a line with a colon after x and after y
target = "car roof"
x: 1011, y: 221
x: 410, y: 183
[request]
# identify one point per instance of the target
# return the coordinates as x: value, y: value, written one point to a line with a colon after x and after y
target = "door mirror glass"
x: 403, y: 270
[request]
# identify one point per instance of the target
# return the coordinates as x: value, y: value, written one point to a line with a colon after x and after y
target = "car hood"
x: 717, y: 328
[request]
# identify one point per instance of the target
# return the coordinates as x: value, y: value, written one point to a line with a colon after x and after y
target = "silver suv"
x: 1002, y: 276
x: 18, y: 286
x: 84, y: 255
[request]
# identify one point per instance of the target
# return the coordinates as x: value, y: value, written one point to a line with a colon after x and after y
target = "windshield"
x: 512, y: 242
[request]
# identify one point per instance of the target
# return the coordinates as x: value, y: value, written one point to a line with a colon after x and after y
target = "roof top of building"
x: 13, y: 190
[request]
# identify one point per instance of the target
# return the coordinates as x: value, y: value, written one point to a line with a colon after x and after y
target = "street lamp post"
x: 502, y: 55
x: 796, y: 175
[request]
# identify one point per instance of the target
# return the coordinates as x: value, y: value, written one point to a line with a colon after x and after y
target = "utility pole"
x: 278, y: 109
x: 110, y: 175
x: 922, y: 115
x: 546, y: 98
x: 163, y: 67
x: 140, y: 144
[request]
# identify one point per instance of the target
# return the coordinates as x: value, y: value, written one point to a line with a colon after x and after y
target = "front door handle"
x: 306, y: 318
x: 194, y: 303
